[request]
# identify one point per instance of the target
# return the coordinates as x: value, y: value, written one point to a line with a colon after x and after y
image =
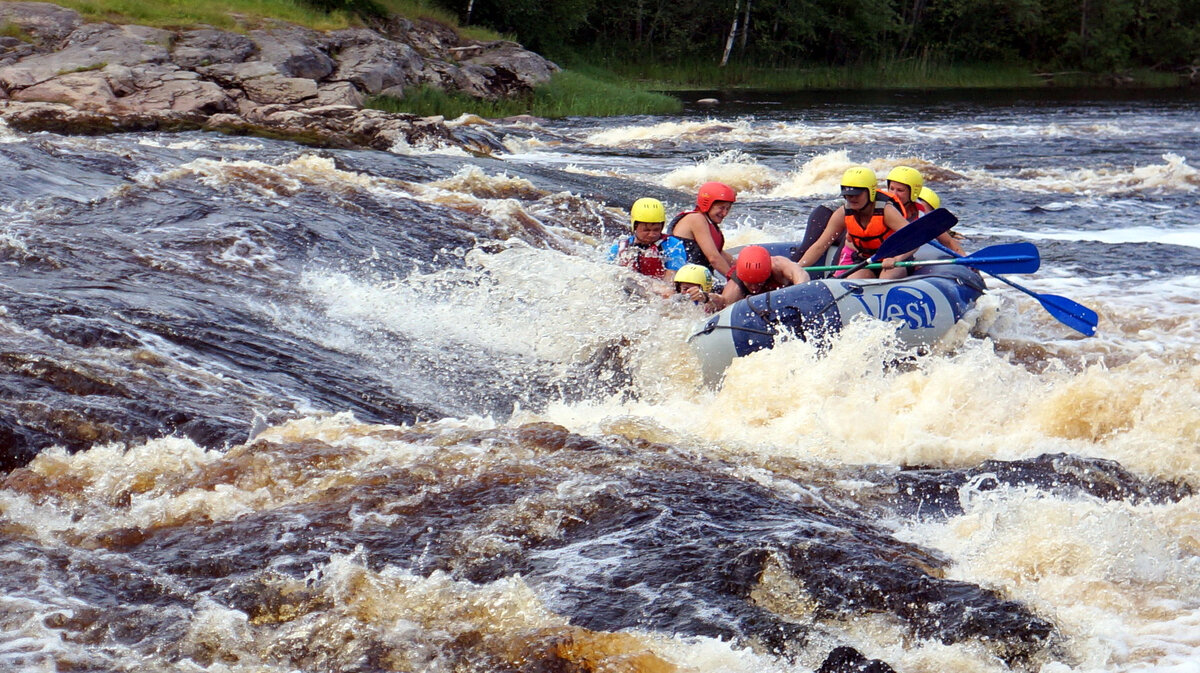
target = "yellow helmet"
x: 647, y: 210
x: 907, y: 176
x: 929, y: 196
x: 694, y: 273
x: 859, y: 177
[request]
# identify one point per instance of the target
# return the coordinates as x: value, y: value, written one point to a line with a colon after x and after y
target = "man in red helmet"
x: 755, y: 272
x: 700, y: 229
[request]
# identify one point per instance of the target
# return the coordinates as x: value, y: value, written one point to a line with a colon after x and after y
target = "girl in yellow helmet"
x: 866, y: 223
x: 694, y: 282
x: 906, y: 186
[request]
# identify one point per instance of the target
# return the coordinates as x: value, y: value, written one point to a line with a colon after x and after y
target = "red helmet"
x: 754, y: 264
x: 714, y: 191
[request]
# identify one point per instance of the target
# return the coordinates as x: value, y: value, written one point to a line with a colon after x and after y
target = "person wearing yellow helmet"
x: 867, y: 218
x: 693, y: 274
x: 695, y: 282
x: 905, y: 187
x: 904, y: 183
x: 700, y: 229
x: 646, y: 249
x: 928, y: 200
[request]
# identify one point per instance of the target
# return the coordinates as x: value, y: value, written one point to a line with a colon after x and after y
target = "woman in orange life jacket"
x: 905, y: 184
x: 755, y: 272
x: 700, y: 229
x: 866, y: 221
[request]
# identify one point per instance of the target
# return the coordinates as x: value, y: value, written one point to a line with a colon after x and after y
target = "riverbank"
x: 263, y: 66
x: 903, y: 74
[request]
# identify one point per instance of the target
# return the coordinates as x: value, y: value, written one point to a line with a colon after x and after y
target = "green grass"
x: 242, y: 15
x: 13, y: 30
x: 569, y: 93
x: 901, y: 74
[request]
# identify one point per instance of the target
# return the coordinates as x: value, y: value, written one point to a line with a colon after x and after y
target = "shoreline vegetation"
x: 597, y: 84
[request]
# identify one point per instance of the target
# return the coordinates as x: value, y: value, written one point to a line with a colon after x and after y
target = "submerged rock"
x: 937, y: 491
x: 846, y: 659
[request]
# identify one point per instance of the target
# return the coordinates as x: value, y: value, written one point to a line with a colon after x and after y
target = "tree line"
x: 1083, y: 35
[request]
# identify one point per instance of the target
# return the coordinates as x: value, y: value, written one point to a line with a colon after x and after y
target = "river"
x: 269, y: 407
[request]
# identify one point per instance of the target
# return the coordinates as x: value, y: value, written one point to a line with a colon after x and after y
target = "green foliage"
x: 912, y: 73
x: 567, y: 94
x: 1089, y: 35
x: 540, y: 25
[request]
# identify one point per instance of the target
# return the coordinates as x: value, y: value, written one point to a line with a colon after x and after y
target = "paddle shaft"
x: 981, y: 263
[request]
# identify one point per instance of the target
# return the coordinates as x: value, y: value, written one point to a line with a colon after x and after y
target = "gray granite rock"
x: 196, y: 48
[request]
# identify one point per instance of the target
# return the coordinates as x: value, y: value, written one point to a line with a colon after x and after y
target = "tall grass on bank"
x: 568, y: 94
x: 913, y: 73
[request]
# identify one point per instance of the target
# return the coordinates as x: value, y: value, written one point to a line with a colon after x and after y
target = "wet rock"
x: 32, y: 117
x: 936, y: 492
x: 846, y: 659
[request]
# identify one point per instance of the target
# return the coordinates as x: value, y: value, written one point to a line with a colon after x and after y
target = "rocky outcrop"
x: 71, y: 76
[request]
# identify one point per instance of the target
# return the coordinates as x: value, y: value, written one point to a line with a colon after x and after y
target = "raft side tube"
x: 754, y: 323
x: 924, y: 306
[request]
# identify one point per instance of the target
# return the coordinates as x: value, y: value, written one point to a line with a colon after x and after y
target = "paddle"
x: 1003, y: 258
x: 1072, y: 314
x: 910, y: 237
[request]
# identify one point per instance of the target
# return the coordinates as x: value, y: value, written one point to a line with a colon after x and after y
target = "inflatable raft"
x: 924, y: 306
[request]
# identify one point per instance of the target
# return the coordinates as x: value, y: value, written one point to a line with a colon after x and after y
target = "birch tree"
x: 733, y: 30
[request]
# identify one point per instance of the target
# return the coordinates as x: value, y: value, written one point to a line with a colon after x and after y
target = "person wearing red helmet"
x: 700, y: 229
x: 755, y: 272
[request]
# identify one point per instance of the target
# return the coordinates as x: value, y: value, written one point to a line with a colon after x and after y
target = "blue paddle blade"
x: 915, y: 234
x: 1070, y: 313
x: 1004, y: 258
x: 1076, y: 316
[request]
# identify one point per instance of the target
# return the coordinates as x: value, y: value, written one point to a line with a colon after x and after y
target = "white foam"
x: 1186, y: 236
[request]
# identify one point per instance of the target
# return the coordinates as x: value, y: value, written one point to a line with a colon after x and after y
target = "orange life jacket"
x: 867, y: 239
